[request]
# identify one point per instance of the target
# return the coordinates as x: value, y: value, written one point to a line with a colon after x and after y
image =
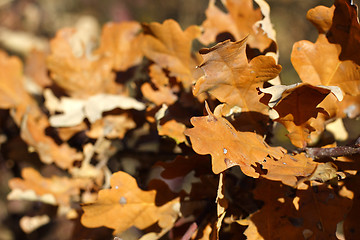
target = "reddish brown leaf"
x: 230, y: 78
x: 345, y: 30
x: 312, y: 213
x: 297, y: 108
x: 126, y: 205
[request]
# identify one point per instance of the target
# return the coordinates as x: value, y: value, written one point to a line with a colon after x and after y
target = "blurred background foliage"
x: 42, y: 18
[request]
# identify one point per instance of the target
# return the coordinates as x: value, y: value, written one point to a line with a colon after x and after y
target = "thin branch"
x: 334, y: 151
x: 190, y: 231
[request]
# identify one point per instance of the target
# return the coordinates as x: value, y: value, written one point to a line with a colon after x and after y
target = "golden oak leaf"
x: 126, y: 205
x: 311, y: 214
x: 230, y: 78
x: 173, y: 129
x: 228, y: 147
x: 36, y: 68
x: 76, y: 69
x: 321, y: 17
x: 297, y: 107
x: 170, y: 48
x: 163, y: 92
x: 33, y: 133
x: 120, y: 42
x: 12, y: 86
x: 55, y: 190
x: 318, y: 64
x: 111, y: 126
x: 345, y: 30
x: 241, y: 21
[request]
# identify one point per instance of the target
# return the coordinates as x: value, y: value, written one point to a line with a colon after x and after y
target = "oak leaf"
x: 74, y: 111
x: 55, y: 190
x: 120, y: 42
x: 76, y: 69
x: 33, y: 133
x: 230, y: 78
x: 297, y: 107
x: 321, y: 17
x: 111, y: 126
x: 126, y: 205
x: 241, y: 20
x: 314, y: 212
x: 12, y: 87
x: 216, y: 136
x: 345, y: 30
x: 170, y: 48
x: 318, y: 64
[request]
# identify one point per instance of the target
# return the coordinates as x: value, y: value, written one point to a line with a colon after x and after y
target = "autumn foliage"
x: 142, y: 136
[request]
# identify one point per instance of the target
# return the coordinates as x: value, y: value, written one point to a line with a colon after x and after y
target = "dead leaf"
x: 29, y: 224
x: 321, y: 17
x: 75, y: 110
x: 230, y: 78
x: 36, y: 68
x: 60, y: 189
x: 170, y: 48
x: 119, y: 209
x: 76, y: 69
x: 297, y: 108
x: 111, y: 126
x: 241, y: 21
x: 319, y: 211
x: 345, y: 30
x: 318, y: 64
x: 33, y: 133
x: 228, y: 147
x: 12, y: 86
x: 120, y: 42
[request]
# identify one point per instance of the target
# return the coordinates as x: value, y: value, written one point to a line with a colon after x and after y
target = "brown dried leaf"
x: 170, y: 48
x: 126, y: 205
x: 230, y: 78
x: 74, y: 68
x: 228, y: 147
x: 314, y: 212
x: 36, y: 68
x: 321, y: 17
x: 345, y: 30
x: 120, y: 42
x: 318, y: 64
x: 297, y: 108
x: 241, y: 21
x: 33, y: 133
x: 111, y: 126
x: 12, y: 86
x: 60, y: 189
x: 173, y: 129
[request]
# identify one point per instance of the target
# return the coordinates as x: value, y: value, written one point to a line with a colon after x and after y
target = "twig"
x: 209, y: 209
x: 190, y: 231
x: 334, y: 151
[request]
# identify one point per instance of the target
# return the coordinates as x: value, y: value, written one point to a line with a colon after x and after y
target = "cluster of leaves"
x: 122, y: 123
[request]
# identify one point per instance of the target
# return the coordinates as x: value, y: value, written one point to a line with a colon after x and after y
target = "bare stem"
x: 334, y: 151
